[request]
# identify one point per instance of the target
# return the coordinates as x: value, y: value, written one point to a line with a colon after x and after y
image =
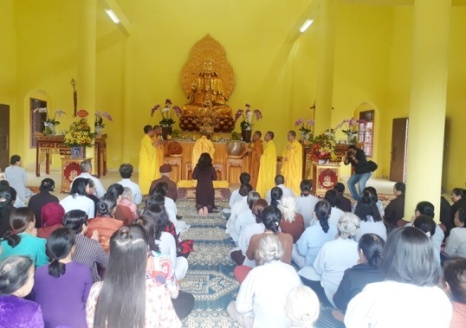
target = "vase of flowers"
x: 322, y: 149
x: 168, y: 112
x: 78, y: 136
x: 50, y: 122
x: 246, y: 124
x: 305, y: 127
x: 99, y: 121
x: 350, y: 129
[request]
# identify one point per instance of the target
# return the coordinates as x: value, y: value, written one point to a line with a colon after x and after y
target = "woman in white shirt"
x: 306, y: 202
x: 371, y: 221
x: 262, y: 295
x: 77, y: 200
x: 409, y: 290
x: 333, y: 259
x: 456, y: 243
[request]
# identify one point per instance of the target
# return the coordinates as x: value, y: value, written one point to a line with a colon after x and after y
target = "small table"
x: 325, y: 177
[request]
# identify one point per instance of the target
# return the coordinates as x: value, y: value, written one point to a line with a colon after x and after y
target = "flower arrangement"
x: 304, y: 126
x: 350, y: 128
x: 168, y: 112
x: 79, y: 134
x: 99, y: 116
x: 248, y: 116
x: 323, y: 148
x: 50, y: 120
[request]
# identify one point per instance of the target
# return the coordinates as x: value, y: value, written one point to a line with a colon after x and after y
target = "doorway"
x: 399, y: 149
x: 4, y: 136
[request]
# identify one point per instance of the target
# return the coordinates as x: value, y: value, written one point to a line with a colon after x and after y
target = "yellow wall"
x: 135, y: 72
x: 8, y: 67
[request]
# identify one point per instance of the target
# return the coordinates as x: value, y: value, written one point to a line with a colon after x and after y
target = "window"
x: 37, y: 119
x: 366, y: 131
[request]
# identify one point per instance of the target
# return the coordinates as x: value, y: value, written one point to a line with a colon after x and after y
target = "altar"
x: 47, y: 145
x: 226, y: 170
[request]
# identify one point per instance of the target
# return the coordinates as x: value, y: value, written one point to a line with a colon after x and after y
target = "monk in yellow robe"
x: 256, y: 149
x: 159, y: 150
x: 147, y: 164
x: 202, y: 145
x: 268, y: 166
x: 292, y: 168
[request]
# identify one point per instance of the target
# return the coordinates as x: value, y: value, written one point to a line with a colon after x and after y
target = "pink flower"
x: 257, y: 114
x: 154, y: 109
x: 168, y: 102
x: 238, y: 114
x: 177, y: 110
x: 310, y: 122
x: 298, y: 122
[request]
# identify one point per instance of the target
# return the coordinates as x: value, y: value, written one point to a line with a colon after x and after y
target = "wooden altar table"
x: 220, y: 160
x: 55, y: 145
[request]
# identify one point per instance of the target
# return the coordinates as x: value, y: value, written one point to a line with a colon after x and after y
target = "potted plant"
x: 99, y: 121
x: 305, y: 127
x: 246, y: 124
x: 323, y: 149
x: 168, y: 112
x: 79, y: 136
x: 50, y: 122
x: 350, y: 129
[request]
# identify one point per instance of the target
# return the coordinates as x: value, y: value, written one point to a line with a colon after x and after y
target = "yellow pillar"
x: 325, y: 62
x: 428, y: 102
x: 87, y: 57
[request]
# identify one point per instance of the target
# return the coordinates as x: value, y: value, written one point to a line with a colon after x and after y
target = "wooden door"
x: 4, y: 136
x: 399, y: 149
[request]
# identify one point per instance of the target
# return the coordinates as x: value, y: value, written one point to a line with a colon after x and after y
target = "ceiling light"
x: 112, y: 16
x: 306, y: 25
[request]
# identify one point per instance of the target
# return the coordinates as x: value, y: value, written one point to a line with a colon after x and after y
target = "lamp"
x: 112, y: 16
x: 306, y: 25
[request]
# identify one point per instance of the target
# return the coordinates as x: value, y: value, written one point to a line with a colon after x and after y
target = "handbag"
x: 372, y: 166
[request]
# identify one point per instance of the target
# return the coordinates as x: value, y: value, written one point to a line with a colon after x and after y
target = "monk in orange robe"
x: 256, y: 149
x: 268, y: 166
x: 292, y: 168
x: 202, y: 145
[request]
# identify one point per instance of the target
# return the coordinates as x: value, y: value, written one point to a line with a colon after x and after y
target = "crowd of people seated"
x: 357, y: 257
x: 94, y: 258
x: 85, y: 260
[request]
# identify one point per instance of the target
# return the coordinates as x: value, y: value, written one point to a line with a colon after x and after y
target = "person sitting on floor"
x: 239, y: 207
x: 127, y: 201
x: 454, y: 281
x: 456, y: 243
x: 427, y: 225
x: 244, y: 178
x: 238, y: 254
x: 6, y: 206
x: 291, y: 221
x: 86, y: 169
x: 333, y: 259
x: 306, y: 202
x: 88, y: 250
x: 314, y: 237
x: 172, y: 191
x: 343, y: 203
x: 22, y: 240
x: 258, y: 305
x: 52, y: 219
x: 104, y: 223
x: 280, y: 183
x: 245, y: 218
x: 302, y: 307
x: 367, y: 271
x: 129, y: 296
x: 77, y: 199
x: 271, y: 217
x: 157, y: 198
x: 371, y: 221
x: 411, y: 278
x: 42, y: 198
x: 332, y: 197
x: 154, y: 224
x: 16, y: 282
x: 428, y: 209
x: 62, y: 287
x: 458, y: 198
x: 17, y: 178
x: 126, y: 171
x: 395, y: 210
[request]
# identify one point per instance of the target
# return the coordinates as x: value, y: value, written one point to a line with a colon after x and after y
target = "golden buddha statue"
x: 206, y: 89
